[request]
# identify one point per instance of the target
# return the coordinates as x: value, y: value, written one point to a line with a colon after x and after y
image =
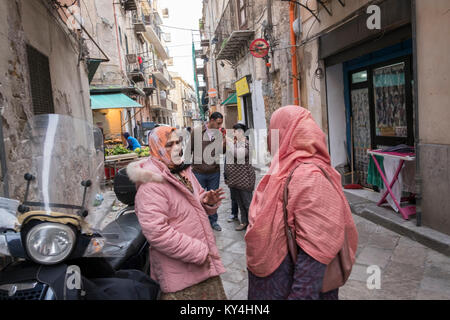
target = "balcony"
x: 138, y: 23
x: 150, y: 86
x: 198, y: 53
x: 190, y: 98
x: 165, y: 104
x: 134, y: 70
x: 232, y: 42
x: 204, y: 43
x: 200, y: 70
x: 231, y: 47
x: 129, y: 5
x: 147, y: 26
x: 187, y: 114
x: 162, y: 74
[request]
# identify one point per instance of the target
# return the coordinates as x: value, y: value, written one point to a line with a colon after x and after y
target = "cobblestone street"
x: 409, y: 270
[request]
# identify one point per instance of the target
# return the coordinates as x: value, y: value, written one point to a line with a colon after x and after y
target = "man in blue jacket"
x: 133, y: 144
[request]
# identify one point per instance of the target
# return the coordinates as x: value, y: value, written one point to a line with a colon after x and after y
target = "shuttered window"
x: 41, y: 84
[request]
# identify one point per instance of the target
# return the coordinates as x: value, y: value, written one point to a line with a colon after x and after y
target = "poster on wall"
x: 390, y: 100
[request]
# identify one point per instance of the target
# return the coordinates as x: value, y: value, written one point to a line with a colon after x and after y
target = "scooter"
x: 62, y: 250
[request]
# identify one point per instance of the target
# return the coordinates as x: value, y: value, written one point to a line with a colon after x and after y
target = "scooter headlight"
x: 50, y: 243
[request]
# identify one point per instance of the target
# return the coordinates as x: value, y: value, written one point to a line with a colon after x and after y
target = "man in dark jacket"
x: 207, y: 174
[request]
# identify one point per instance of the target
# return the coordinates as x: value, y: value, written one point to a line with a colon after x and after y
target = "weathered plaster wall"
x: 312, y: 96
x: 433, y: 50
x: 28, y: 22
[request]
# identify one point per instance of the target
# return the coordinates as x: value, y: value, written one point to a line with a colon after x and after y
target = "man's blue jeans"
x: 209, y: 181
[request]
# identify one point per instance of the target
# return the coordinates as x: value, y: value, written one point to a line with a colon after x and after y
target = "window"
x: 242, y: 13
x: 387, y: 101
x: 126, y: 43
x: 359, y: 77
x: 390, y: 101
x: 40, y: 82
x: 120, y: 36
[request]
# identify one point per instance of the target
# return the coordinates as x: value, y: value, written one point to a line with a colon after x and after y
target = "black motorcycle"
x: 62, y: 246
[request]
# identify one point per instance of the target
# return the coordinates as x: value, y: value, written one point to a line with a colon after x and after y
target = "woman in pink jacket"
x: 172, y: 209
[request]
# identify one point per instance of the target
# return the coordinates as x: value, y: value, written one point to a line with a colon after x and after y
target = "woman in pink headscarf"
x: 173, y: 210
x: 318, y: 212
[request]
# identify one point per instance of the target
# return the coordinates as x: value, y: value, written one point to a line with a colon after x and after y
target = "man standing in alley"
x: 206, y: 164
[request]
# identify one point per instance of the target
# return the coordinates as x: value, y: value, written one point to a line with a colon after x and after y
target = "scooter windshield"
x: 65, y: 162
x: 62, y: 161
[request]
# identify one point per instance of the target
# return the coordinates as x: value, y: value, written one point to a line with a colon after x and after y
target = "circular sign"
x: 212, y: 92
x: 259, y: 48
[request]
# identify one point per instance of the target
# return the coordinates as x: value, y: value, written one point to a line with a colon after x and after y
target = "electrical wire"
x: 183, y: 45
x: 196, y: 30
x: 89, y: 17
x: 60, y: 22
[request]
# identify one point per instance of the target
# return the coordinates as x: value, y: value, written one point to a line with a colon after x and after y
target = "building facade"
x: 129, y: 32
x: 249, y: 88
x: 372, y: 73
x: 184, y: 96
x: 369, y: 77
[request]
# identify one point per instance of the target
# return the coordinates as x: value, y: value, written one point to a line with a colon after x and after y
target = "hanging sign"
x: 242, y: 87
x: 259, y: 48
x: 212, y: 92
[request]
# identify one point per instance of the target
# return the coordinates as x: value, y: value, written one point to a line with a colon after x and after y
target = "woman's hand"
x: 213, y: 197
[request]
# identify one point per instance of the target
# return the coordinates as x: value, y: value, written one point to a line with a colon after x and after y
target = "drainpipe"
x: 418, y: 179
x: 293, y: 54
x: 3, y: 159
x: 117, y: 36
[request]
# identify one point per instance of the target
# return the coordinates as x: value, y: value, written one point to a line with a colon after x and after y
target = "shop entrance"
x: 248, y: 111
x: 381, y: 109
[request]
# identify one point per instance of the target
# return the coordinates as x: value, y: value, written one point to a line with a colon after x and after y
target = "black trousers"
x: 243, y: 198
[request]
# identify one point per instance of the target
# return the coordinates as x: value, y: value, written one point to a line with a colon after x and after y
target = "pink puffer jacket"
x: 183, y: 249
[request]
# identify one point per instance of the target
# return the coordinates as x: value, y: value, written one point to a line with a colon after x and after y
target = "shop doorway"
x: 248, y: 111
x: 381, y: 109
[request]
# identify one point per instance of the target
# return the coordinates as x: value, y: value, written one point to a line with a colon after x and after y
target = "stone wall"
x: 29, y: 22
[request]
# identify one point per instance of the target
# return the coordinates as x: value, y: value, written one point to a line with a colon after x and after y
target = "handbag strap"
x: 286, y: 194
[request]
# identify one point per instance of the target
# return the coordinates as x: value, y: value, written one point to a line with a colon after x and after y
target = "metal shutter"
x: 41, y: 84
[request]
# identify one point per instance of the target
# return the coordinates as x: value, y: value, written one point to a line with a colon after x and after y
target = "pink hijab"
x: 325, y: 217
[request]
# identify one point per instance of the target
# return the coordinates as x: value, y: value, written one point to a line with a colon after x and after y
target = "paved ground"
x: 408, y: 270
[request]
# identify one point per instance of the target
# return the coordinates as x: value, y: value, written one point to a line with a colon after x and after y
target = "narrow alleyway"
x: 409, y: 270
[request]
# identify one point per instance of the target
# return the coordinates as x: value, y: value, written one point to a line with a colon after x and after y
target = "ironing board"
x: 404, y: 211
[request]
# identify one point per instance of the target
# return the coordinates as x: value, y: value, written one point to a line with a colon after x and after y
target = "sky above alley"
x: 182, y: 14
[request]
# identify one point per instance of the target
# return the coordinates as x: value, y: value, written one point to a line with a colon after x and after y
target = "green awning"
x: 112, y: 101
x: 230, y: 100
